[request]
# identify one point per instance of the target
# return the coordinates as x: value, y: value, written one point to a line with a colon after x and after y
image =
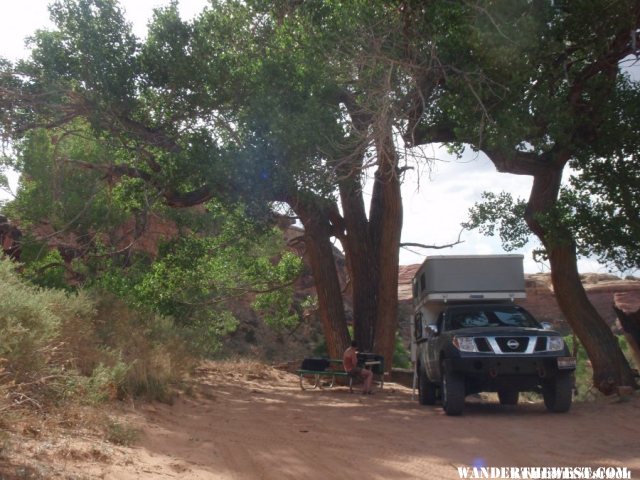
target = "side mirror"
x: 432, y: 329
x: 546, y: 326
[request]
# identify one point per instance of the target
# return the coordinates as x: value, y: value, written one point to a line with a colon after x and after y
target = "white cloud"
x: 433, y: 213
x: 19, y: 19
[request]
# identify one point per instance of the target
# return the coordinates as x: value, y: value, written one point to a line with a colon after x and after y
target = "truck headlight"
x: 555, y: 344
x: 465, y: 344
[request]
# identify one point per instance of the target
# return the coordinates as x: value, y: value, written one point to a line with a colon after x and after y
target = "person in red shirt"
x: 350, y: 361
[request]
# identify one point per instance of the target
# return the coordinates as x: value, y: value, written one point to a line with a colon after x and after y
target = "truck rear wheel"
x: 508, y: 397
x: 558, y: 393
x: 452, y: 392
x: 426, y: 389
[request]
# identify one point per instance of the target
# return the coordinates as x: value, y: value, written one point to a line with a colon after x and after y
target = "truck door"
x: 433, y: 350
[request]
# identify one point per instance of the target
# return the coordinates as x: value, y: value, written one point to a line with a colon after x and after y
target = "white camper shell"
x: 444, y: 279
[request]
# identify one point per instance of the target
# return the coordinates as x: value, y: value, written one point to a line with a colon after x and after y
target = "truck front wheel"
x: 426, y: 388
x: 557, y: 393
x: 452, y: 392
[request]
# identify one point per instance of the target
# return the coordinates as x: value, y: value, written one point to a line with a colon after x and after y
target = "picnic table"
x: 322, y: 372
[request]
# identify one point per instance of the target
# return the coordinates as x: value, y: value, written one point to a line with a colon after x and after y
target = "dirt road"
x: 260, y: 425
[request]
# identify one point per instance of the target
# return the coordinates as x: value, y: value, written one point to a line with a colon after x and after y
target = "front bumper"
x: 487, y: 374
x: 513, y: 365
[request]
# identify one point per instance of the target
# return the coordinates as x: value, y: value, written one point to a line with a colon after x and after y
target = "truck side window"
x: 440, y: 322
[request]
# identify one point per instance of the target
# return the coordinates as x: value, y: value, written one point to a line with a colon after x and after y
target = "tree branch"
x: 434, y: 247
x: 518, y: 163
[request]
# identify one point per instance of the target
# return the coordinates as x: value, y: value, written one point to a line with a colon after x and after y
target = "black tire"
x: 558, y: 393
x: 508, y: 397
x: 452, y: 392
x: 426, y: 389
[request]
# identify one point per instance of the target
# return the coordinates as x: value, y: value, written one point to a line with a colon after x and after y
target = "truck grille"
x: 483, y: 345
x: 507, y: 345
x: 513, y: 344
x: 541, y: 344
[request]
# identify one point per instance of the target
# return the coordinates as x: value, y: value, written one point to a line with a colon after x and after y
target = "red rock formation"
x: 144, y: 238
x: 10, y: 237
x: 627, y: 308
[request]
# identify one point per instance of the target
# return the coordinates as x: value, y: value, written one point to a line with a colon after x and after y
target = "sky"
x: 436, y: 199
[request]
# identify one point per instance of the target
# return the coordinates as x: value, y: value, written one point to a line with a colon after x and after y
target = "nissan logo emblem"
x: 513, y: 344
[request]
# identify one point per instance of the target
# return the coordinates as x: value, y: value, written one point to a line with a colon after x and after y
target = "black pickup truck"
x: 492, y: 348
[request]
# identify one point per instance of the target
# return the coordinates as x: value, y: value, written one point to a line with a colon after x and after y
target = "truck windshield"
x: 494, y: 316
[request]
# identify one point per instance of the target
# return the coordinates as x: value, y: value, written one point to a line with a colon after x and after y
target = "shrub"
x: 31, y: 322
x: 120, y: 434
x: 57, y: 346
x: 151, y: 346
x: 585, y: 389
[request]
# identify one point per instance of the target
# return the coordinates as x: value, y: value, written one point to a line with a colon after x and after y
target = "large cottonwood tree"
x: 264, y: 102
x: 547, y: 77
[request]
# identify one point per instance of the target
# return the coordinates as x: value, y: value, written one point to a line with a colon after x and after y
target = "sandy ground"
x: 260, y: 425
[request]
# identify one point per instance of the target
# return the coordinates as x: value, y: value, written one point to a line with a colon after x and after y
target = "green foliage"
x: 31, y: 320
x: 4, y: 184
x: 53, y: 189
x: 47, y: 271
x: 585, y: 391
x: 604, y: 193
x: 577, y: 105
x: 584, y: 373
x: 60, y: 347
x: 275, y: 305
x: 274, y: 101
x: 103, y: 384
x: 204, y: 335
x: 401, y: 356
x: 155, y: 351
x: 94, y: 41
x: 503, y: 214
x: 217, y: 257
x: 598, y: 210
x: 320, y: 349
x: 258, y: 101
x: 197, y: 278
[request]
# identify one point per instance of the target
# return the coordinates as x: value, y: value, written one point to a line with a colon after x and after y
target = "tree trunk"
x: 323, y: 266
x: 363, y: 270
x: 610, y: 367
x: 386, y: 229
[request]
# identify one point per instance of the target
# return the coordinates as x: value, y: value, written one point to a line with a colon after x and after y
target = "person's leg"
x: 368, y: 380
x: 356, y: 375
